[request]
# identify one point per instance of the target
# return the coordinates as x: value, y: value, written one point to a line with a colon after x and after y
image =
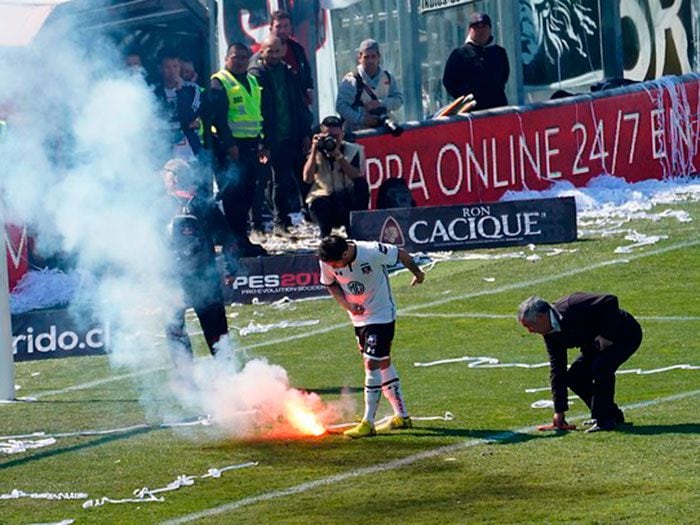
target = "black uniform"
x: 607, y: 337
x: 196, y: 225
x: 480, y: 70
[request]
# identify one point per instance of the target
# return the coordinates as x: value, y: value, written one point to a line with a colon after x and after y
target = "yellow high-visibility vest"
x: 244, y: 108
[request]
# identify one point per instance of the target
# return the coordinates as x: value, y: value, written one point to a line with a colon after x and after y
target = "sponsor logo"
x: 356, y: 287
x: 52, y: 340
x: 477, y: 225
x: 366, y: 268
x: 274, y: 280
x: 392, y: 232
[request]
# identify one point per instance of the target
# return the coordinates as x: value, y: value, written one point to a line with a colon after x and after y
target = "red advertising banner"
x: 17, y: 260
x: 646, y: 131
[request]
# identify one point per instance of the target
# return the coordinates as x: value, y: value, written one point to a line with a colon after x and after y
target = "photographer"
x: 335, y: 170
x: 367, y: 96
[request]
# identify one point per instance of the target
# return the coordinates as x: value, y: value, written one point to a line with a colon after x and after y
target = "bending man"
x: 355, y: 273
x: 607, y: 337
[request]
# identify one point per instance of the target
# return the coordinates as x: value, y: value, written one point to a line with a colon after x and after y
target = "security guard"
x: 235, y: 100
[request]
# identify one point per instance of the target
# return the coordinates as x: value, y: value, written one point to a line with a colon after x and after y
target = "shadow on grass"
x: 80, y: 446
x: 680, y: 428
x: 488, y: 435
x: 337, y: 390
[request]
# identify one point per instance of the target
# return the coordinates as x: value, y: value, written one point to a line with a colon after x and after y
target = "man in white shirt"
x: 355, y: 273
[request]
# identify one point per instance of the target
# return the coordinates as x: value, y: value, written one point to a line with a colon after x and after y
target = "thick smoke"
x: 80, y: 166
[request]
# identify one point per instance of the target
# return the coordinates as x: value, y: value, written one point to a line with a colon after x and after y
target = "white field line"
x: 479, y: 315
x: 403, y: 311
x: 552, y: 277
x: 390, y: 465
x: 96, y: 382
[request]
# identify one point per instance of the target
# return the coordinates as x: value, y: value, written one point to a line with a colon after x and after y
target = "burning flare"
x: 302, y: 419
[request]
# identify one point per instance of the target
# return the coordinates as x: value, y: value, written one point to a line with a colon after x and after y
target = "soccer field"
x: 485, y: 464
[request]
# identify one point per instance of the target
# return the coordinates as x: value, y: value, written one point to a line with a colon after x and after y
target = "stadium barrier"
x: 643, y: 131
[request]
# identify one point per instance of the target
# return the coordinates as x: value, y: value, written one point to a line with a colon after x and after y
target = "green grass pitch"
x: 487, y: 465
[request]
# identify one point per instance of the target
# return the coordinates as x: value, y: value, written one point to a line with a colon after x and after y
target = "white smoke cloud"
x: 80, y: 167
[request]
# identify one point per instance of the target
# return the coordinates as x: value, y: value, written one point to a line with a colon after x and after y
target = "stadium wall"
x: 649, y: 130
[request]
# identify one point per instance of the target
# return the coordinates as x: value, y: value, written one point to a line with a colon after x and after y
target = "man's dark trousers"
x: 592, y: 377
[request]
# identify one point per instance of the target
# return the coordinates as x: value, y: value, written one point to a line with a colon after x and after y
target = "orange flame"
x: 303, y: 419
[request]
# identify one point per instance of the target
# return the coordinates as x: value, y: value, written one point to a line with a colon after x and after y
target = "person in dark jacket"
x: 181, y: 102
x: 293, y: 53
x: 195, y: 225
x: 479, y: 67
x: 286, y: 128
x: 607, y: 337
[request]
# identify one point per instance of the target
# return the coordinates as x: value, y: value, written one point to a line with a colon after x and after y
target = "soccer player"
x: 355, y: 273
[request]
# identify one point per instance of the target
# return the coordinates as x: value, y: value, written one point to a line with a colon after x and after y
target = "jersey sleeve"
x: 387, y: 254
x: 327, y: 275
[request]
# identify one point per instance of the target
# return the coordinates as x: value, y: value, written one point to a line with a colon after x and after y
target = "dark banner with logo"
x: 485, y: 225
x: 272, y: 278
x: 47, y: 334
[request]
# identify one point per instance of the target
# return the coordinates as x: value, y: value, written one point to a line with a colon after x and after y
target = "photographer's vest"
x: 244, y: 108
x: 329, y: 177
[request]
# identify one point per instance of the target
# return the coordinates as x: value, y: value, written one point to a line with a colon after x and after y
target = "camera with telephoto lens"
x: 327, y: 144
x: 384, y: 121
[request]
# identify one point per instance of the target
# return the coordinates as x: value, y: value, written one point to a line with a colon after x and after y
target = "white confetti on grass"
x: 16, y: 446
x: 19, y: 494
x: 146, y: 495
x: 257, y: 328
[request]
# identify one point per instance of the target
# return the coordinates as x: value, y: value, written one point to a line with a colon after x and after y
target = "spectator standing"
x: 479, y: 67
x: 369, y: 93
x: 335, y: 171
x: 188, y: 71
x: 133, y: 63
x: 235, y: 103
x: 286, y: 125
x: 607, y: 336
x: 181, y: 100
x: 355, y: 274
x: 293, y: 52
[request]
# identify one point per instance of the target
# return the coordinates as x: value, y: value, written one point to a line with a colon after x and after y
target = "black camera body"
x: 384, y: 121
x: 327, y: 144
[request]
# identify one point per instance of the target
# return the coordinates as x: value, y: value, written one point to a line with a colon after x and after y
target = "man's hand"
x: 418, y: 278
x: 264, y: 155
x: 233, y: 153
x: 558, y: 423
x: 355, y: 309
x: 559, y: 420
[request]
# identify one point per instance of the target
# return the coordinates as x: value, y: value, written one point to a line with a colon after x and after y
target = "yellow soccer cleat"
x: 395, y: 423
x: 364, y: 429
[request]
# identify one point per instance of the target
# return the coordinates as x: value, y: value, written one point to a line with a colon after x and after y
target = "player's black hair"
x: 332, y: 248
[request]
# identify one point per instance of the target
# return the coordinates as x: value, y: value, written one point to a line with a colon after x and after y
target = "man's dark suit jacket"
x: 584, y: 319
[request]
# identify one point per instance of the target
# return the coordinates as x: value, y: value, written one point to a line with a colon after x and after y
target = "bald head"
x: 272, y: 50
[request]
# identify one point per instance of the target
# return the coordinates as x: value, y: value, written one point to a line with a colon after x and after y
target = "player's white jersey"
x: 365, y: 281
